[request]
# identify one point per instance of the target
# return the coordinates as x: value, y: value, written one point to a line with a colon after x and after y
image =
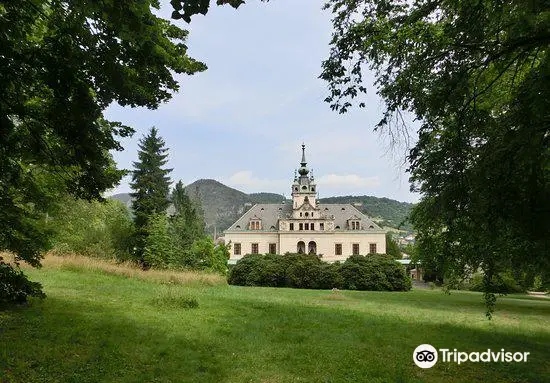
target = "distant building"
x: 331, y: 231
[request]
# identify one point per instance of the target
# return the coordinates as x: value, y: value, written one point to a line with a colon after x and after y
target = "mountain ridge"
x: 222, y: 205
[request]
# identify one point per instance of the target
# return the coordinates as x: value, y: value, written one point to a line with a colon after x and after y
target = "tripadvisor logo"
x: 426, y: 356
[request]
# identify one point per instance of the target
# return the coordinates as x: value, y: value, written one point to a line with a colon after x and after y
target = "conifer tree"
x: 187, y: 222
x: 151, y: 184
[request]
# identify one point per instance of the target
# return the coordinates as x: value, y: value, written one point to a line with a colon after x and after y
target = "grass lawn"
x: 99, y: 327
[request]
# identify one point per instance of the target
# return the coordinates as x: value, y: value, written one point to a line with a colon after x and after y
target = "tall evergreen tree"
x: 187, y: 223
x: 151, y: 184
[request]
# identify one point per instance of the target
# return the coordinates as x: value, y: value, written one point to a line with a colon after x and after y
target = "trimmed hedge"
x: 377, y: 272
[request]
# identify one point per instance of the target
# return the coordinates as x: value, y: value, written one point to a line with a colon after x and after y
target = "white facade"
x: 331, y: 231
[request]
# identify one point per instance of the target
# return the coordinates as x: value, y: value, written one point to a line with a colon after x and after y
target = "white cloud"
x: 246, y: 180
x: 348, y: 181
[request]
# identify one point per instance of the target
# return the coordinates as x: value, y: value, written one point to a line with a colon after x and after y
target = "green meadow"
x: 101, y: 326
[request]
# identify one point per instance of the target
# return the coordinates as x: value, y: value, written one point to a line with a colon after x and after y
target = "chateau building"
x: 331, y: 231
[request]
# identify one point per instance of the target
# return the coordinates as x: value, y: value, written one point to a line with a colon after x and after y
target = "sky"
x: 243, y: 120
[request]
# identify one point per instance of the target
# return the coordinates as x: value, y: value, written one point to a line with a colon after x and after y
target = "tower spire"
x: 303, y: 169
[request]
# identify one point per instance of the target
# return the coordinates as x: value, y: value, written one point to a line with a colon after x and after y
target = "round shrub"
x: 258, y: 270
x: 372, y: 272
x: 302, y: 271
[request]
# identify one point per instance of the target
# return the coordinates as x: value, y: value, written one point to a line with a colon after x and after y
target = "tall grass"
x: 75, y: 262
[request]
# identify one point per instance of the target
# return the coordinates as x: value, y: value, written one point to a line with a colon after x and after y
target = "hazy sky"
x: 243, y: 120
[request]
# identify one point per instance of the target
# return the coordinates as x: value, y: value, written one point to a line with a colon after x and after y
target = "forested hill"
x: 387, y: 212
x: 223, y: 205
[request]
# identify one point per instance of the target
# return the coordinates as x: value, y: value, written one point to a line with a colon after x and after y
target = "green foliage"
x: 392, y: 248
x: 159, y: 250
x: 258, y: 270
x: 179, y: 242
x: 187, y: 223
x: 502, y: 283
x: 476, y: 74
x: 15, y: 287
x: 376, y: 272
x: 62, y: 64
x: 151, y: 185
x: 92, y: 228
x: 205, y: 255
x: 371, y: 272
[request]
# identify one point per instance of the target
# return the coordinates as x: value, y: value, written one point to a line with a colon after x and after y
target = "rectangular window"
x: 355, y: 249
x: 372, y: 248
x: 291, y: 227
x: 306, y: 226
x: 321, y: 226
x: 237, y: 249
x: 254, y: 248
x: 312, y: 226
x: 338, y: 249
x: 301, y: 226
x: 272, y: 248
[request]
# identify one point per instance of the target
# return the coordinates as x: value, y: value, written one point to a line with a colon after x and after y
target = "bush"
x: 503, y: 283
x: 205, y: 255
x: 302, y: 271
x: 258, y: 270
x: 372, y: 272
x: 376, y: 272
x: 95, y: 229
x: 15, y: 287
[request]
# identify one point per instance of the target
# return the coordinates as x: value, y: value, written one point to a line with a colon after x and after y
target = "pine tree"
x: 151, y: 185
x: 187, y: 223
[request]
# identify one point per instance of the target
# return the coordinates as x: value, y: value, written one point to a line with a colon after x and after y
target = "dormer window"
x: 354, y: 225
x: 255, y: 224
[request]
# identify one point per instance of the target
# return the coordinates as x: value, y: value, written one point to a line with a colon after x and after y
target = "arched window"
x: 312, y: 247
x: 301, y: 247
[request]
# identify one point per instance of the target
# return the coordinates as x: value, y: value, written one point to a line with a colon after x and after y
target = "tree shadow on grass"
x: 469, y: 301
x: 246, y: 337
x: 315, y: 343
x: 59, y: 340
